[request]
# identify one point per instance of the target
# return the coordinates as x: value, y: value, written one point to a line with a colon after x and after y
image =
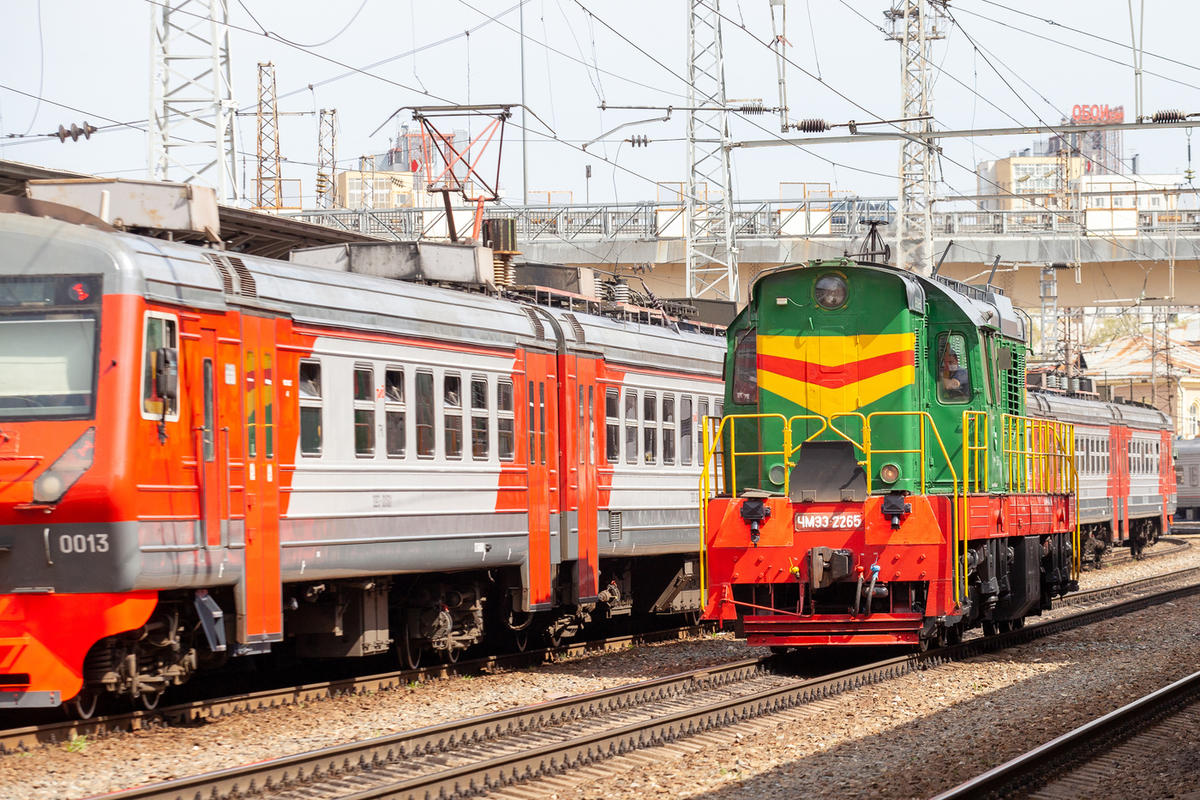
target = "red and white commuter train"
x: 205, y: 455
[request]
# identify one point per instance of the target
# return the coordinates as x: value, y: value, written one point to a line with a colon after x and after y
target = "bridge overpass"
x: 1125, y: 254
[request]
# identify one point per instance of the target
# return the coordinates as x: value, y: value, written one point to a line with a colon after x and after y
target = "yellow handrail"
x: 958, y: 508
x: 973, y: 452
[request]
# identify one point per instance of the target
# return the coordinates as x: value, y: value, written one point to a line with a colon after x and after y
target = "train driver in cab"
x: 954, y: 382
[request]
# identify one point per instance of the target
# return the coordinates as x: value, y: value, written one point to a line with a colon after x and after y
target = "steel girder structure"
x: 193, y: 117
x: 711, y: 267
x: 326, y: 156
x: 269, y: 187
x: 915, y: 25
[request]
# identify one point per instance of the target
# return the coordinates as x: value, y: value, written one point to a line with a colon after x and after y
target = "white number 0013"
x: 846, y: 520
x: 80, y: 543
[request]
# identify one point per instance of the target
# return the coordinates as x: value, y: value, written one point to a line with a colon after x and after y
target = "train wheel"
x: 989, y: 628
x: 521, y: 640
x: 452, y: 654
x: 693, y: 617
x: 1005, y: 625
x: 1018, y: 623
x: 83, y: 706
x: 408, y: 650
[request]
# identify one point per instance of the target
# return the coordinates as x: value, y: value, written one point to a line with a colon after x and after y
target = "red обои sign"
x: 1101, y: 114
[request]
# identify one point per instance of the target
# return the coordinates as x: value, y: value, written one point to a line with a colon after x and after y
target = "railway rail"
x: 30, y: 736
x: 1077, y: 763
x: 471, y: 756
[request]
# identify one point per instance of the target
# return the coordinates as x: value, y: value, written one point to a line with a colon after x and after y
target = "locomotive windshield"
x: 47, y: 347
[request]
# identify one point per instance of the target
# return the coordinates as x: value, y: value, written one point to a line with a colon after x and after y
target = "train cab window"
x: 668, y: 429
x: 631, y: 426
x: 505, y: 438
x: 953, y: 377
x: 395, y: 430
x: 480, y: 447
x: 364, y: 411
x: 745, y: 368
x: 650, y: 427
x: 612, y: 425
x: 160, y: 332
x: 426, y: 443
x: 310, y: 408
x: 452, y: 415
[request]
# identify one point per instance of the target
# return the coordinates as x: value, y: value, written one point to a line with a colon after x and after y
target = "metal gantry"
x: 268, y: 180
x: 711, y: 251
x: 326, y: 156
x: 916, y: 24
x: 193, y: 118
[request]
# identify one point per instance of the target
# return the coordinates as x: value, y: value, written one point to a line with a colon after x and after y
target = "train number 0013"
x: 846, y: 520
x: 81, y: 543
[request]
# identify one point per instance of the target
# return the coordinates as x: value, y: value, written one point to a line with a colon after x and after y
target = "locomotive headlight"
x: 52, y: 484
x: 830, y: 291
x: 889, y: 473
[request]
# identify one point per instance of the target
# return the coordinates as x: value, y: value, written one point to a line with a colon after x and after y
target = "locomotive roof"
x: 985, y: 307
x: 184, y: 274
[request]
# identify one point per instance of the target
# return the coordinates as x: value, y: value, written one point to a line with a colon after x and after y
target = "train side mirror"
x: 166, y: 373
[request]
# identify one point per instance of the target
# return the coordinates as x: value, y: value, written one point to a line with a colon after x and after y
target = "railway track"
x: 495, y: 750
x: 30, y: 736
x: 1122, y: 555
x: 1096, y: 757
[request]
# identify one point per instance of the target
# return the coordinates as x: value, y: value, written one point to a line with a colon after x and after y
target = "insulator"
x: 502, y: 272
x: 1169, y: 115
x: 639, y: 140
x: 752, y: 108
x: 813, y: 125
x: 620, y: 291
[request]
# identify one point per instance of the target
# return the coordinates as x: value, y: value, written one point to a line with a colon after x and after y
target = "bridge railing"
x: 753, y: 219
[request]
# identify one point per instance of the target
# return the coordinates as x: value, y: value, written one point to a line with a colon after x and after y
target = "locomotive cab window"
x: 953, y: 373
x: 161, y: 335
x: 310, y: 408
x: 745, y: 368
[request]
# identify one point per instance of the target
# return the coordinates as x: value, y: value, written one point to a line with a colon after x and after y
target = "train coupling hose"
x: 871, y: 588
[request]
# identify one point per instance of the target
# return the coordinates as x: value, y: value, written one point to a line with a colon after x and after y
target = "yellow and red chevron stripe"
x: 835, y: 374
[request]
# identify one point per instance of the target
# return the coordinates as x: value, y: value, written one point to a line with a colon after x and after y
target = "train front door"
x: 260, y: 607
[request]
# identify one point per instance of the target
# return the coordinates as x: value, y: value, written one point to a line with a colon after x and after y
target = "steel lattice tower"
x: 915, y: 25
x: 192, y: 113
x: 269, y: 187
x: 711, y: 253
x: 326, y: 156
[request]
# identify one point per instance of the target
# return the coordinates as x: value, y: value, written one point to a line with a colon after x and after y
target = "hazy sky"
x: 94, y: 55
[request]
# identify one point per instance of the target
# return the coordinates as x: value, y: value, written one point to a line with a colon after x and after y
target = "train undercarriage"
x: 404, y: 618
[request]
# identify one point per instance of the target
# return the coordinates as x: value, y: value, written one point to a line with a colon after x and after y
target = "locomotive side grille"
x: 226, y: 277
x: 246, y: 284
x: 614, y: 526
x: 538, y: 330
x: 575, y: 326
x: 236, y: 278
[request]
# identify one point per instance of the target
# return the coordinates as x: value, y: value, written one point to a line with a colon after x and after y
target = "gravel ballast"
x: 906, y: 738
